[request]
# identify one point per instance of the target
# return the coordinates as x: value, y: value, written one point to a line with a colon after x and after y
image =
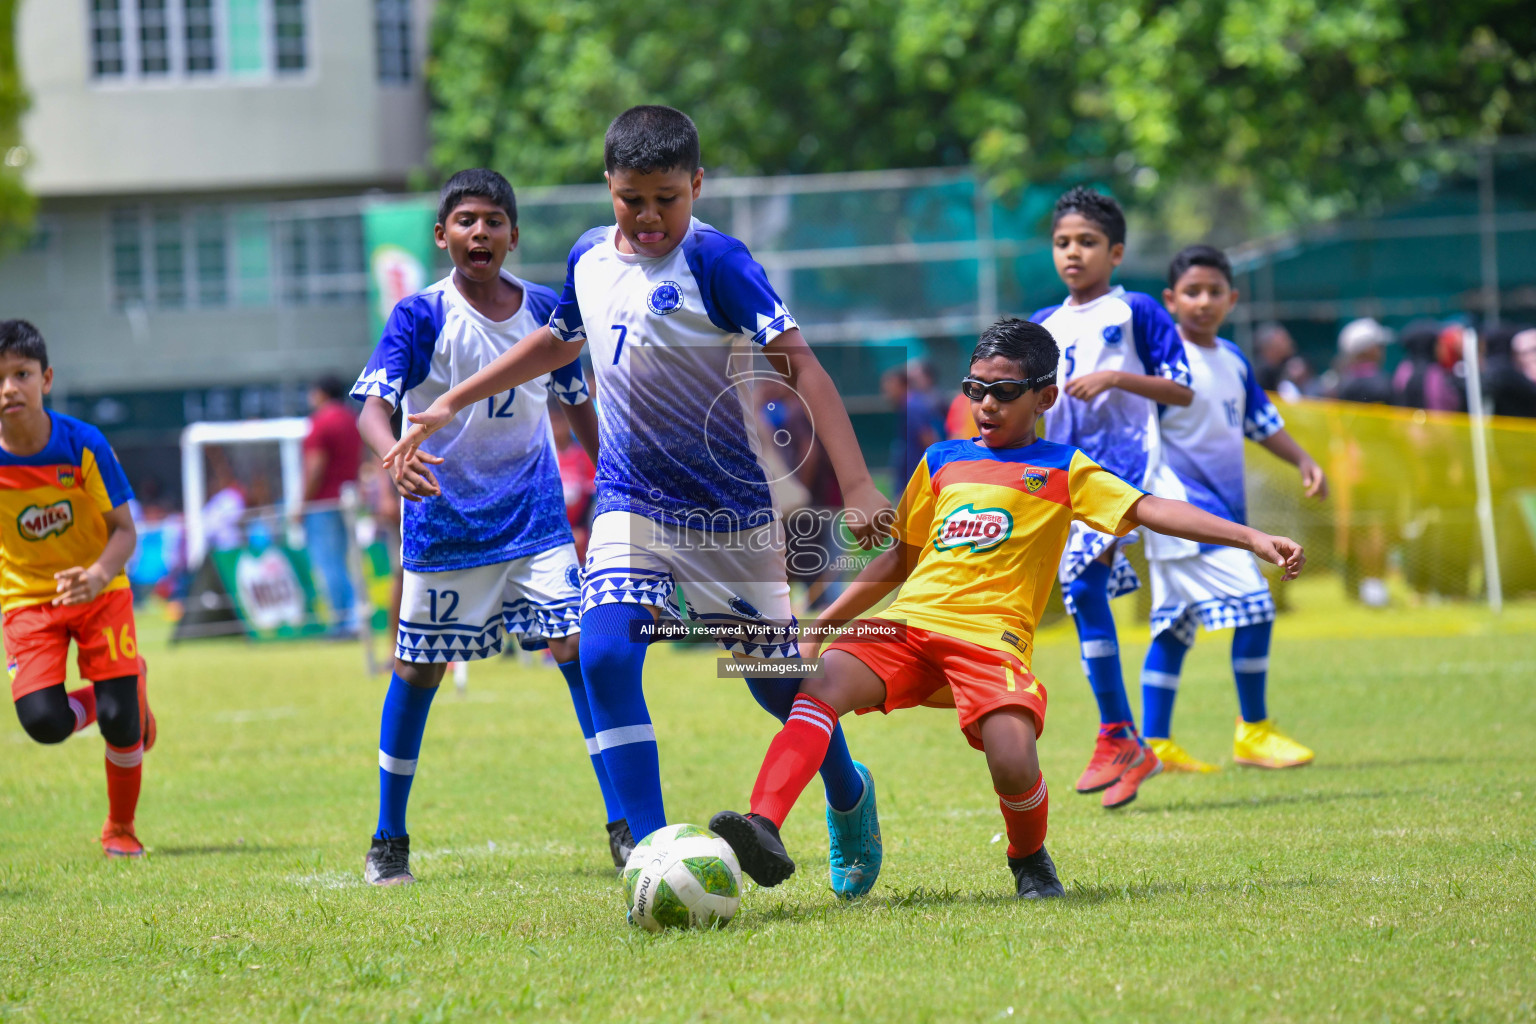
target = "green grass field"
x: 1393, y: 880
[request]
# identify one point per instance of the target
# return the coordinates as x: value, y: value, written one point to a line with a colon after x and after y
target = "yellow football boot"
x: 1262, y: 745
x: 1176, y: 759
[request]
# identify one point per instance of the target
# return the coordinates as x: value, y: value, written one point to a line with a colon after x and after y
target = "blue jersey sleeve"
x: 569, y: 384
x: 1261, y: 419
x: 565, y: 321
x: 1040, y: 316
x: 113, y: 479
x: 403, y: 357
x: 1157, y: 339
x: 735, y: 289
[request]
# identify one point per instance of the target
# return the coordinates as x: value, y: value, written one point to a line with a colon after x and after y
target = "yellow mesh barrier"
x: 1403, y: 503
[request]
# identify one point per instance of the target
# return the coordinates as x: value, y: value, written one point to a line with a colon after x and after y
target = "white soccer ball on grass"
x: 682, y: 876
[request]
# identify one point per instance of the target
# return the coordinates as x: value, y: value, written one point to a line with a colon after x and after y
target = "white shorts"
x: 727, y: 578
x: 459, y: 615
x: 1219, y: 589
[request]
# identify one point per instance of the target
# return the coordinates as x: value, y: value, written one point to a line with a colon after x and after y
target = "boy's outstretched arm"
x: 870, y: 514
x: 1282, y: 444
x: 880, y: 575
x: 81, y: 585
x: 1181, y: 519
x: 539, y: 353
x: 583, y: 421
x: 416, y: 480
x: 1160, y: 389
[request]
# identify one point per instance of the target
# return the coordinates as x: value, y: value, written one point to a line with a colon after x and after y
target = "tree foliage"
x: 1287, y: 108
x: 15, y: 203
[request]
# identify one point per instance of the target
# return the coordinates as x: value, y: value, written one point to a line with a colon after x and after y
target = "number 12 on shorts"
x: 449, y: 605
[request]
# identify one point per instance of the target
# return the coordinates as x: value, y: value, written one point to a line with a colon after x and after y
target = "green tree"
x: 15, y: 204
x: 1279, y: 109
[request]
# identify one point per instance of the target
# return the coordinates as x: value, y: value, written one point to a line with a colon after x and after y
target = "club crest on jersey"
x: 665, y: 298
x: 66, y: 477
x: 39, y: 521
x: 980, y: 529
x: 1113, y: 334
x: 1035, y: 478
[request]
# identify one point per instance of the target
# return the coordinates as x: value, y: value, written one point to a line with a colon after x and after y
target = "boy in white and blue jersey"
x: 673, y: 311
x: 1217, y: 588
x: 485, y: 544
x: 1120, y: 359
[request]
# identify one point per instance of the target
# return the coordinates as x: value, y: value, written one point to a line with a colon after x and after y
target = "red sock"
x: 794, y: 757
x: 83, y: 703
x: 125, y: 769
x: 1024, y: 815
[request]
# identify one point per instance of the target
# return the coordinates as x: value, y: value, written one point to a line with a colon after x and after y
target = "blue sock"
x: 843, y: 783
x: 403, y: 722
x: 1101, y: 648
x: 611, y: 664
x: 1160, y: 683
x: 1250, y: 667
x: 572, y: 672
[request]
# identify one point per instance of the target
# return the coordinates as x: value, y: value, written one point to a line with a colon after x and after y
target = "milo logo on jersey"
x: 37, y: 522
x: 981, y: 529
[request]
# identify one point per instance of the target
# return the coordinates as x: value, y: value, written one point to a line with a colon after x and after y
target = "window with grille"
x: 157, y: 40
x: 392, y: 40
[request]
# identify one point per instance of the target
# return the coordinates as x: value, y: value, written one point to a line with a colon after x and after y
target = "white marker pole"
x: 1469, y: 349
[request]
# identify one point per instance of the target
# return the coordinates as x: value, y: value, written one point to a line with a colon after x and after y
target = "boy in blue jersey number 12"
x: 484, y: 540
x: 1214, y: 587
x: 1121, y: 358
x: 672, y: 311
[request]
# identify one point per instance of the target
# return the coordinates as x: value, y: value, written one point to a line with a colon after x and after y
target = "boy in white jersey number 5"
x: 671, y: 309
x: 484, y: 540
x: 1214, y: 587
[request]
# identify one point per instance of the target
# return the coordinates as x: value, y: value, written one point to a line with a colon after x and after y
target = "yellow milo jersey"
x: 990, y: 525
x: 52, y: 508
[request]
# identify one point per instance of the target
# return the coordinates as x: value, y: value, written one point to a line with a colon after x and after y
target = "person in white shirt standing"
x: 1214, y: 587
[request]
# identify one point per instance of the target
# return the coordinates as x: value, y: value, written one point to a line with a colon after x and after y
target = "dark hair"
x: 331, y: 386
x: 20, y: 338
x: 651, y: 138
x: 1097, y: 208
x: 477, y: 183
x: 1198, y: 256
x: 1025, y: 343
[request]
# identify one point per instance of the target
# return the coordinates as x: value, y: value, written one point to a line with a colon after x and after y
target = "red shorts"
x: 37, y: 641
x: 938, y: 671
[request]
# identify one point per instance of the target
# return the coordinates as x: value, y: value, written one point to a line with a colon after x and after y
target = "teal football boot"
x: 854, y: 836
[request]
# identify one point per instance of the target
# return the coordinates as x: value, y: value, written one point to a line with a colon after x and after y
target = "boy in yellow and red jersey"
x: 65, y: 534
x: 979, y: 532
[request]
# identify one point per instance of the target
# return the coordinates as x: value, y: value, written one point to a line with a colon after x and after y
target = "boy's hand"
x: 80, y: 586
x: 414, y: 480
x: 1281, y: 551
x: 401, y: 459
x: 1312, y: 479
x: 868, y: 516
x: 1092, y: 385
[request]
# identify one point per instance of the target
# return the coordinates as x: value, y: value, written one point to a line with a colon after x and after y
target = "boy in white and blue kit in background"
x: 1121, y: 358
x: 485, y: 544
x: 1217, y: 588
x: 673, y: 311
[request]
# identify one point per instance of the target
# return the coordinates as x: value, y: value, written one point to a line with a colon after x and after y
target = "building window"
x: 288, y: 34
x: 200, y: 41
x: 138, y: 40
x: 106, y: 38
x: 154, y: 38
x: 218, y: 257
x: 392, y: 39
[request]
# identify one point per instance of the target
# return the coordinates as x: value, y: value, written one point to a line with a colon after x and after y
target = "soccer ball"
x: 682, y: 876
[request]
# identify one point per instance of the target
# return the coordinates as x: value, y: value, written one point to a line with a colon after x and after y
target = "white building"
x: 198, y: 162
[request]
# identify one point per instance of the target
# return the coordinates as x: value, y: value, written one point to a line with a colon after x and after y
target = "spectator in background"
x: 959, y: 424
x: 1510, y: 375
x: 1297, y: 381
x: 1421, y: 381
x: 225, y: 507
x: 1275, y: 348
x: 332, y: 453
x: 917, y: 429
x: 1362, y: 344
